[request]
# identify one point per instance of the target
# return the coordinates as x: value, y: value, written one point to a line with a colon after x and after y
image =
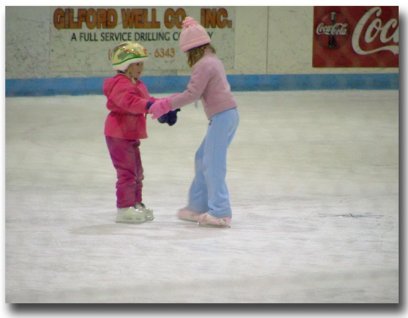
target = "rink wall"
x: 161, y: 84
x: 50, y: 50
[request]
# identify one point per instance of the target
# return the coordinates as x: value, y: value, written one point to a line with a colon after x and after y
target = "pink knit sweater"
x: 208, y: 82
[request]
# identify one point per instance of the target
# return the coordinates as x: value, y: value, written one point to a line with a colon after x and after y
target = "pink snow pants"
x: 125, y: 155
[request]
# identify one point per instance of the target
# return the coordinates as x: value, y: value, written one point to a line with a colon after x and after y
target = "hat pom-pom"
x: 189, y: 22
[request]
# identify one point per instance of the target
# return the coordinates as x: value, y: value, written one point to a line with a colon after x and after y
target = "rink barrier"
x: 165, y: 84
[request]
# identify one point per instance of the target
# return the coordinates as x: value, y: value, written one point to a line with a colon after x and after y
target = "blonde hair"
x: 195, y: 54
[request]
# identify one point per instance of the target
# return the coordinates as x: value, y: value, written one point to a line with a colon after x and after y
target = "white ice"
x: 313, y: 179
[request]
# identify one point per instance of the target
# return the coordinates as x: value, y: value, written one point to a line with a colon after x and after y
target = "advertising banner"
x: 356, y: 36
x: 87, y: 34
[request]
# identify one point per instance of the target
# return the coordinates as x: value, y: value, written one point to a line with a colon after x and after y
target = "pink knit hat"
x: 193, y: 35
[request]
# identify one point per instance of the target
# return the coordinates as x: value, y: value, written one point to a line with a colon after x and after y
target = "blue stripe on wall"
x: 165, y: 84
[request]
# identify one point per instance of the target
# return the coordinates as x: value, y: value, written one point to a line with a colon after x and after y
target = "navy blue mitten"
x: 170, y: 118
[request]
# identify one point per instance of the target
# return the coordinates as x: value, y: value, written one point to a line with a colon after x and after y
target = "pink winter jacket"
x: 208, y: 82
x: 127, y: 104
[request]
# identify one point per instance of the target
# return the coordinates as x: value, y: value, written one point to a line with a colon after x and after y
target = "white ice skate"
x: 186, y: 214
x: 148, y: 212
x: 130, y: 215
x: 207, y: 220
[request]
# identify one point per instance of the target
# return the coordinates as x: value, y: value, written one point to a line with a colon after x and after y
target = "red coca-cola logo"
x: 356, y: 36
x: 373, y: 33
x: 333, y: 30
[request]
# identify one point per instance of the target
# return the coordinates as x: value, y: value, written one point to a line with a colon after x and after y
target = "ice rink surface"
x: 313, y: 178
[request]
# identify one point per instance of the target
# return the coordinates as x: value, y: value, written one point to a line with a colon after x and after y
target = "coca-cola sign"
x: 356, y: 36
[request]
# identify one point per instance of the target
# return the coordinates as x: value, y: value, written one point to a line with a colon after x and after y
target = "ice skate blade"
x: 226, y: 226
x: 130, y: 222
x: 187, y: 220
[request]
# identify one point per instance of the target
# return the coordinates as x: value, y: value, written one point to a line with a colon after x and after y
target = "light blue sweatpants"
x: 208, y: 191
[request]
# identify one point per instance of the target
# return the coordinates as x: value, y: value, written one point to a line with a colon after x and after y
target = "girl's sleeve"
x: 127, y: 99
x: 195, y: 88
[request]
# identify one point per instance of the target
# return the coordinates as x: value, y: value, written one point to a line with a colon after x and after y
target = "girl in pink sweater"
x: 208, y: 200
x: 127, y: 101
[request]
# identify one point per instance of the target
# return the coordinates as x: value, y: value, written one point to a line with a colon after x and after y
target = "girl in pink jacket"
x: 208, y: 200
x: 128, y: 100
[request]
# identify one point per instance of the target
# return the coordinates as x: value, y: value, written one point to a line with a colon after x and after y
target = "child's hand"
x: 160, y: 107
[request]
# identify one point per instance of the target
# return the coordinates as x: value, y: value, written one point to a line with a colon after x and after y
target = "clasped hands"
x: 161, y: 110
